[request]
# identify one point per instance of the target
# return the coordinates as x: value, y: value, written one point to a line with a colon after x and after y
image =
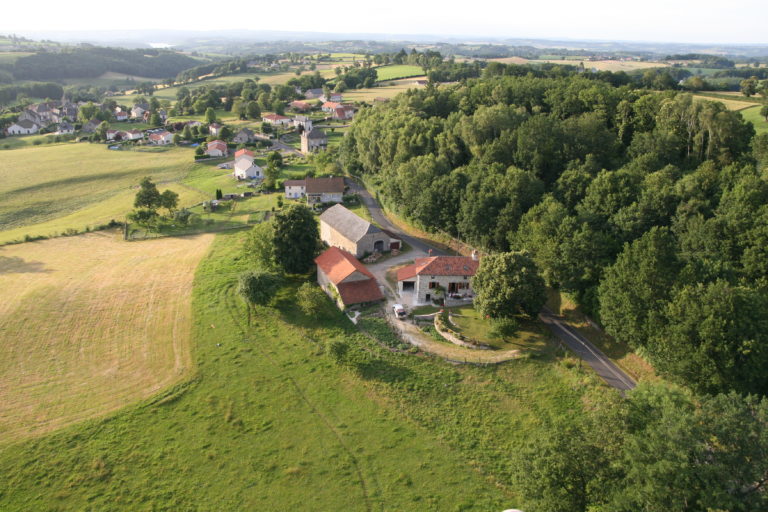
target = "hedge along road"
x: 604, y: 367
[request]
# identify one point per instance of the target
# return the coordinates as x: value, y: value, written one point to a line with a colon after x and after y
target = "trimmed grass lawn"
x: 531, y: 335
x: 270, y: 421
x: 41, y: 187
x: 753, y: 115
x: 398, y: 71
x: 91, y: 324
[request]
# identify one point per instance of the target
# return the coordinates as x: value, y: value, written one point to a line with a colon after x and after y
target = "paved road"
x: 599, y: 362
x: 378, y: 216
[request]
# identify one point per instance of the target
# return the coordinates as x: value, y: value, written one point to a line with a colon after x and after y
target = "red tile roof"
x: 244, y: 152
x: 217, y: 144
x: 275, y: 117
x: 337, y: 265
x: 331, y: 105
x: 439, y: 266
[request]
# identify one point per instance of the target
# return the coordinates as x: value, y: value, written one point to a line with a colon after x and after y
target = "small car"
x: 399, y: 310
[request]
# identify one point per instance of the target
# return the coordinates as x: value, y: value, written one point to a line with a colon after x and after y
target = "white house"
x: 138, y: 110
x: 133, y: 135
x: 422, y: 279
x: 330, y: 106
x: 215, y: 129
x: 334, y: 96
x: 25, y: 127
x: 276, y: 119
x: 245, y: 169
x: 161, y: 138
x: 217, y: 148
x: 303, y: 123
x: 295, y: 189
x: 65, y: 128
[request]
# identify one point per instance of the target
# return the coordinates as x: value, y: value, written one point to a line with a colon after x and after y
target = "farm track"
x: 245, y: 332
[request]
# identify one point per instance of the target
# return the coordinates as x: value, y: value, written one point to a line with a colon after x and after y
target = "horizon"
x: 684, y: 22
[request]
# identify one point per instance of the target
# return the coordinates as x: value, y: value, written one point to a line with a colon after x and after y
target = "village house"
x: 424, y: 279
x: 112, y: 134
x: 245, y: 169
x: 302, y: 123
x: 217, y: 149
x: 244, y: 136
x: 334, y: 97
x: 295, y: 189
x: 215, y: 129
x: 330, y: 106
x: 343, y: 113
x: 312, y: 94
x: 341, y: 228
x: 121, y: 116
x: 276, y: 119
x: 133, y: 135
x: 90, y: 126
x: 324, y: 190
x: 300, y: 106
x: 345, y: 279
x: 65, y: 128
x: 25, y: 127
x: 161, y: 138
x: 314, y: 141
x: 138, y: 110
x: 32, y: 116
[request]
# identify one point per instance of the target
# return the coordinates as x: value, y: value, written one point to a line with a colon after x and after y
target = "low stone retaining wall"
x: 449, y: 336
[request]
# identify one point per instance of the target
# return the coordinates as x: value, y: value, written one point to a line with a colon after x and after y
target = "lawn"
x: 531, y: 335
x: 753, y: 115
x: 91, y: 324
x: 270, y: 422
x: 383, y: 91
x: 398, y: 71
x: 47, y: 189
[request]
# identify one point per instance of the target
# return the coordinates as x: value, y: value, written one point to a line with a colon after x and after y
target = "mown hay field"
x: 733, y: 104
x: 601, y: 65
x: 48, y: 189
x: 90, y: 324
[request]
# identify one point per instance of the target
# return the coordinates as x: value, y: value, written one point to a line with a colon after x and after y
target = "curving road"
x: 579, y: 345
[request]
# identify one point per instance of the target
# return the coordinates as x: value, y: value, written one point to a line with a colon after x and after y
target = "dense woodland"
x: 91, y: 62
x: 648, y: 207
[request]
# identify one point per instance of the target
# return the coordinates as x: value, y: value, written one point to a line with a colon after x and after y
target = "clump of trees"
x: 289, y: 242
x: 149, y: 200
x: 508, y: 285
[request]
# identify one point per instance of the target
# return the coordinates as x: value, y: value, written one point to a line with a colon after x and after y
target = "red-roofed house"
x: 301, y: 106
x: 161, y: 138
x: 330, y: 106
x: 276, y: 119
x: 451, y: 273
x: 343, y: 113
x: 217, y: 148
x: 345, y: 279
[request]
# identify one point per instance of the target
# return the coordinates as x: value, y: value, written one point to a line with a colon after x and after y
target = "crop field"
x: 398, y: 71
x: 602, y: 65
x: 91, y: 324
x: 41, y: 186
x: 730, y: 104
x: 271, y: 421
x: 753, y: 115
x: 383, y: 91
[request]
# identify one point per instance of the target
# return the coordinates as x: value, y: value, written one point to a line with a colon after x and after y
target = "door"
x: 378, y: 246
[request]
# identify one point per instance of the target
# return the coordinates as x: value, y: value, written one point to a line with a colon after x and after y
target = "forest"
x: 648, y: 207
x: 91, y: 62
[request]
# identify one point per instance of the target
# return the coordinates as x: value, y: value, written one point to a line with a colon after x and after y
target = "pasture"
x: 398, y: 71
x: 730, y: 102
x: 601, y: 65
x: 91, y: 324
x: 48, y: 189
x: 385, y: 90
x: 271, y: 422
x: 752, y: 115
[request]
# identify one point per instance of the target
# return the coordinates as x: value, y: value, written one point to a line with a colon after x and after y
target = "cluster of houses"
x: 42, y: 115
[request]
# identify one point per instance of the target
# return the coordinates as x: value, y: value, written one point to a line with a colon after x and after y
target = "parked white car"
x: 399, y: 311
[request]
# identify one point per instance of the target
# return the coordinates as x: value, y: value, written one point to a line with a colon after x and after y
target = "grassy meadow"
x: 398, y: 71
x: 752, y: 115
x: 48, y: 189
x: 91, y: 324
x: 270, y: 421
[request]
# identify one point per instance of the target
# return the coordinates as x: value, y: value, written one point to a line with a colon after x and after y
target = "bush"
x: 504, y: 328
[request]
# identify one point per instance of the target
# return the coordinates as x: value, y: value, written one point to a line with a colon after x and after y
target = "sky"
x: 702, y: 21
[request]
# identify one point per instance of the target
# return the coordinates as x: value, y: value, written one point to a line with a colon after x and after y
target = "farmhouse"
x: 161, y: 138
x: 341, y: 228
x: 121, y: 116
x: 334, y: 96
x: 243, y: 136
x: 23, y: 128
x: 345, y: 279
x: 138, y: 110
x: 343, y: 113
x: 300, y: 106
x: 295, y: 189
x: 330, y: 106
x: 112, y: 134
x: 276, y: 119
x: 324, y: 190
x: 133, y: 135
x: 217, y: 148
x: 245, y: 169
x: 215, y: 129
x: 65, y: 128
x: 314, y: 141
x: 426, y: 276
x: 312, y: 94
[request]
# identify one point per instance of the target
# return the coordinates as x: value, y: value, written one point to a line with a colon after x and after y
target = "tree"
x: 154, y: 119
x: 210, y: 115
x: 275, y: 158
x: 148, y: 196
x: 748, y: 86
x: 311, y: 299
x: 635, y: 289
x: 271, y: 174
x: 101, y: 130
x: 296, y: 239
x: 764, y: 112
x: 252, y: 110
x: 508, y: 284
x: 259, y: 245
x: 186, y: 133
x: 258, y: 287
x: 169, y: 200
x: 176, y: 138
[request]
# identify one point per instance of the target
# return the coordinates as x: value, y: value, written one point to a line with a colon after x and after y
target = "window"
x: 466, y: 277
x: 433, y: 284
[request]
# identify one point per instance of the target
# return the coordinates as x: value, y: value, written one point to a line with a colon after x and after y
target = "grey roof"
x: 317, y: 134
x: 26, y: 124
x: 349, y: 225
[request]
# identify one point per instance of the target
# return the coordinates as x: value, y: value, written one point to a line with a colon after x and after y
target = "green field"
x: 48, y: 189
x: 398, y: 71
x: 11, y: 57
x: 753, y: 115
x: 270, y: 422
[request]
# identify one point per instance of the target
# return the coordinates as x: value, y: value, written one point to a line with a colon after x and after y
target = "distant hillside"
x: 91, y: 62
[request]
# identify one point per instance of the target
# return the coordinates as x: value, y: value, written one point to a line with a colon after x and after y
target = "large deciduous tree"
x: 296, y: 239
x: 508, y: 284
